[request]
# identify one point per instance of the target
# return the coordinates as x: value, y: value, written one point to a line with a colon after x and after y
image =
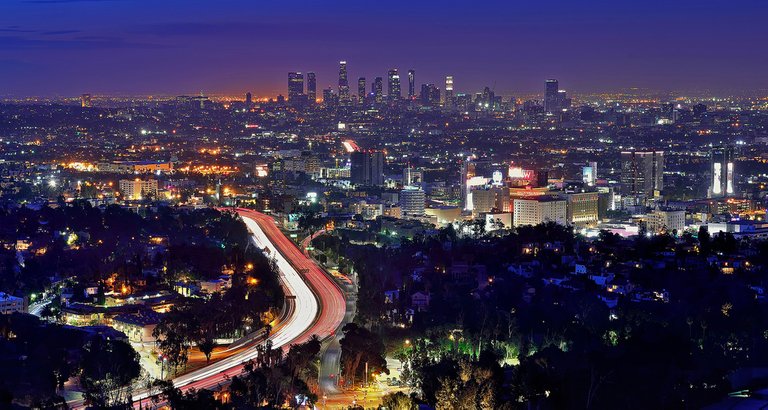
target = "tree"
x: 272, y: 379
x: 358, y: 347
x: 705, y: 245
x: 397, y: 401
x: 108, y: 371
x: 206, y: 346
x: 310, y: 221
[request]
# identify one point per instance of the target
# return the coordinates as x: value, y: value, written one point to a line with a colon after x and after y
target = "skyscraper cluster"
x: 430, y: 94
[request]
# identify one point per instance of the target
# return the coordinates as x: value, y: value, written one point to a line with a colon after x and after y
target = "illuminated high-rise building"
x: 412, y: 201
x: 448, y: 96
x: 330, y: 99
x: 311, y: 87
x: 589, y: 173
x: 551, y: 97
x: 468, y: 171
x: 343, y: 84
x: 361, y: 90
x: 411, y: 84
x: 393, y: 85
x: 377, y: 89
x: 367, y: 168
x: 85, y: 101
x: 248, y: 100
x: 721, y: 172
x: 295, y: 86
x: 430, y: 95
x: 642, y: 173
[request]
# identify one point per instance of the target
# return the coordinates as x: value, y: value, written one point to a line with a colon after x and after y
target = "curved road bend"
x: 319, y: 306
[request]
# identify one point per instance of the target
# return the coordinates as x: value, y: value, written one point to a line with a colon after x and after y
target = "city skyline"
x: 137, y: 47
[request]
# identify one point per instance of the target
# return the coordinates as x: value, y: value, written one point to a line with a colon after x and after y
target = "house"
x: 137, y: 326
x: 216, y: 285
x: 420, y: 301
x: 555, y: 279
x: 601, y: 279
x: 11, y: 304
x: 522, y: 269
x: 610, y: 300
x: 185, y: 288
x: 619, y: 285
x: 579, y: 269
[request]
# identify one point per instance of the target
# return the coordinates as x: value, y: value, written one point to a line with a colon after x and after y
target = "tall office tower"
x: 667, y: 110
x: 329, y: 98
x: 85, y: 101
x: 430, y: 95
x: 412, y: 201
x: 411, y: 84
x: 642, y: 173
x: 367, y: 168
x: 311, y: 87
x: 377, y: 89
x: 361, y: 90
x: 698, y: 111
x: 468, y: 171
x: 589, y: 173
x: 721, y: 172
x: 393, y: 85
x: 487, y: 100
x: 563, y: 102
x: 295, y: 86
x: 551, y: 89
x: 448, y: 97
x: 343, y: 84
x: 248, y: 100
x: 488, y: 199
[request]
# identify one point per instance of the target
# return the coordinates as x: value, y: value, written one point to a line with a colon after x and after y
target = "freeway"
x: 318, y: 306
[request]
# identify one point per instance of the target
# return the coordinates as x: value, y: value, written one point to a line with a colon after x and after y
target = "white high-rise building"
x: 722, y: 172
x: 589, y: 173
x: 412, y: 201
x: 134, y: 189
x: 534, y: 211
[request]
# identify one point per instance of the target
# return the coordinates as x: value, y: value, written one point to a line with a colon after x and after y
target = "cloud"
x: 81, y: 43
x: 184, y: 29
x: 58, y: 32
x: 66, y: 1
x: 15, y: 29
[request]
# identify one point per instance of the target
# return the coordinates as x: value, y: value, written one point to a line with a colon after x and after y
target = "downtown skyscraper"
x: 551, y: 88
x: 311, y: 87
x: 448, y: 101
x: 295, y: 86
x: 343, y: 84
x: 376, y: 89
x: 555, y: 99
x: 361, y: 90
x: 393, y: 85
x: 411, y: 84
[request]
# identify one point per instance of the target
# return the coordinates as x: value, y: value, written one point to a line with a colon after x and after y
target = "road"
x: 318, y: 307
x: 308, y: 241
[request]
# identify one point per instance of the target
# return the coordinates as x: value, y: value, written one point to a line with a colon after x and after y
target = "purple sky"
x: 68, y: 47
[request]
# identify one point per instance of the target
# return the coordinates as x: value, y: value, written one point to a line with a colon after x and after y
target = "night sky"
x: 122, y: 47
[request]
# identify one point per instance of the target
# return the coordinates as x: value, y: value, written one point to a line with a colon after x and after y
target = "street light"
x: 161, y: 360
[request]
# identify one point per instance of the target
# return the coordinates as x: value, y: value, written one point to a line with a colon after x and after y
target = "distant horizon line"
x: 236, y: 96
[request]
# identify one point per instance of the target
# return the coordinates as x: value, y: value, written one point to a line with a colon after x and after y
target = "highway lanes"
x: 318, y: 305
